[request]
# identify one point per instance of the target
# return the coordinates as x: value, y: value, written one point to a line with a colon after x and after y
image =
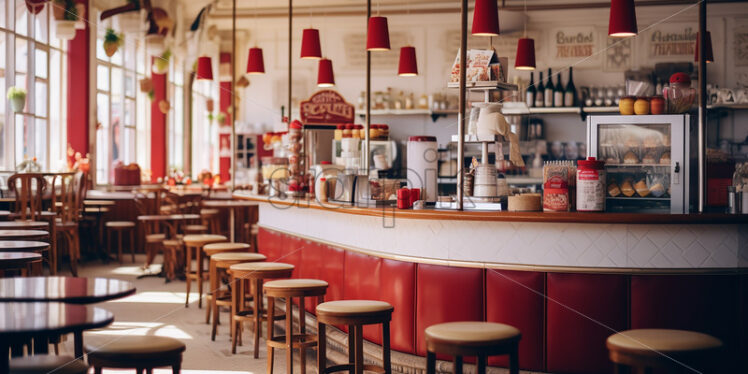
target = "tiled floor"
x: 158, y: 309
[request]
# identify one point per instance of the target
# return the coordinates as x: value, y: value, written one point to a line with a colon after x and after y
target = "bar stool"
x: 42, y: 364
x: 219, y: 263
x: 136, y: 352
x: 120, y: 228
x: 470, y: 338
x: 195, y: 229
x: 193, y: 245
x: 254, y: 273
x: 288, y: 289
x: 210, y: 218
x: 355, y: 314
x: 670, y: 350
x: 208, y: 251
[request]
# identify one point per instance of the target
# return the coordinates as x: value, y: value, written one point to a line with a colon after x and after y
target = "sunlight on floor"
x: 159, y: 297
x: 136, y: 270
x: 142, y: 329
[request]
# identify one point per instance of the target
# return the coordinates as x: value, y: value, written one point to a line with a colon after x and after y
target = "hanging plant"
x: 221, y: 118
x: 210, y: 105
x: 161, y: 63
x: 146, y: 85
x: 151, y: 95
x: 242, y: 82
x: 66, y: 14
x: 17, y: 97
x: 112, y: 42
x: 164, y: 106
x: 211, y: 117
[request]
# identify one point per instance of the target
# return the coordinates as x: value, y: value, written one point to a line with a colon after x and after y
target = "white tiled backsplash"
x: 551, y: 244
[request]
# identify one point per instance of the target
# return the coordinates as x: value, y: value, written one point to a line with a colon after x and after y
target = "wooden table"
x: 232, y: 206
x: 25, y: 225
x: 74, y: 290
x: 18, y: 260
x: 22, y: 321
x: 36, y: 235
x: 22, y: 246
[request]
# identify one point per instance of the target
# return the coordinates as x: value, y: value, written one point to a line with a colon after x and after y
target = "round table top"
x: 18, y: 234
x: 24, y: 225
x: 228, y: 203
x: 22, y: 245
x: 99, y: 202
x: 23, y: 319
x: 9, y: 260
x: 169, y: 217
x: 64, y: 289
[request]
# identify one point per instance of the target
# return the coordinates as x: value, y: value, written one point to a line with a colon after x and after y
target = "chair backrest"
x: 29, y: 192
x: 69, y: 190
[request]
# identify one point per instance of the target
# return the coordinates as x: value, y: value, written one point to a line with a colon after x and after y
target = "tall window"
x: 176, y: 115
x: 119, y: 105
x: 32, y: 58
x: 204, y: 128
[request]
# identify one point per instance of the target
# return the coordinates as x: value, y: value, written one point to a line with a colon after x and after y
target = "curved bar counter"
x: 567, y: 280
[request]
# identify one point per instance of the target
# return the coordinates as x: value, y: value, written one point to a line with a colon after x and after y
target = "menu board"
x: 672, y: 42
x: 577, y: 45
x: 326, y: 107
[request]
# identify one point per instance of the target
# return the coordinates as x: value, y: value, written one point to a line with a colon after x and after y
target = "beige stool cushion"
x: 208, y: 211
x: 196, y: 228
x: 215, y: 248
x: 237, y: 256
x: 261, y: 266
x: 43, y: 364
x: 662, y: 340
x: 155, y: 238
x: 203, y: 239
x: 294, y: 284
x: 172, y: 243
x: 352, y: 307
x: 120, y: 224
x: 131, y: 347
x: 471, y: 332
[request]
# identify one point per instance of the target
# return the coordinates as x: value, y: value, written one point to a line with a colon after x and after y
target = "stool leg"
x: 176, y: 368
x: 386, y: 362
x: 258, y: 315
x: 199, y: 271
x: 457, y: 365
x: 132, y: 244
x: 321, y: 348
x: 271, y: 317
x: 119, y: 245
x: 302, y: 331
x: 481, y: 364
x: 359, y: 363
x: 514, y: 360
x: 351, y: 347
x: 430, y: 363
x: 97, y: 370
x: 289, y: 335
x: 234, y: 310
x: 187, y: 269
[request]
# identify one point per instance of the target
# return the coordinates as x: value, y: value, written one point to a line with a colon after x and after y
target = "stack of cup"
x: 485, y: 181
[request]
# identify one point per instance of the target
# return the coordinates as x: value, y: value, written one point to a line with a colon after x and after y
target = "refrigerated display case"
x: 647, y: 161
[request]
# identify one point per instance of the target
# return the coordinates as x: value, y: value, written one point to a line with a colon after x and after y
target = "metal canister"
x: 732, y: 200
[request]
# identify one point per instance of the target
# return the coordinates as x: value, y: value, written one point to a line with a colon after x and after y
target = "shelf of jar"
x: 517, y: 108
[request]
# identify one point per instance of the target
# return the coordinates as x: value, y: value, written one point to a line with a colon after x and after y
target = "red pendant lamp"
x: 485, y: 18
x: 622, y: 21
x: 204, y: 68
x: 310, y: 45
x: 378, y: 34
x: 708, y: 51
x: 325, y: 75
x: 255, y: 63
x: 525, y: 59
x: 408, y: 67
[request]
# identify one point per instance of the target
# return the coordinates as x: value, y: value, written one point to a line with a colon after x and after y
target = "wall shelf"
x: 435, y: 114
x: 485, y: 85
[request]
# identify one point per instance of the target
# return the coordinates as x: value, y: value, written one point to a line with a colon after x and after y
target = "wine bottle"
x: 558, y: 93
x: 548, y: 92
x: 530, y: 93
x: 539, y: 102
x: 570, y: 96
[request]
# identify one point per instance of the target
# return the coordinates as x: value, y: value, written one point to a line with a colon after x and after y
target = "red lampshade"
x: 255, y: 63
x: 204, y: 68
x: 378, y: 35
x: 310, y: 46
x: 408, y: 66
x: 708, y: 51
x: 485, y: 18
x: 622, y: 21
x: 525, y: 54
x: 325, y: 76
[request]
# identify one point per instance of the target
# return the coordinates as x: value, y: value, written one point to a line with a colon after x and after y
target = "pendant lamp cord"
x: 524, y: 23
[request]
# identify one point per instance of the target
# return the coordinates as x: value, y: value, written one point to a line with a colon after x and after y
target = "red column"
x: 158, y: 128
x: 78, y: 89
x: 224, y: 137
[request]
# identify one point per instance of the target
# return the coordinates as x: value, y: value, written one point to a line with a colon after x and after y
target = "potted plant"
x: 161, y: 63
x: 17, y: 97
x: 66, y: 14
x: 112, y: 42
x: 146, y: 85
x: 221, y: 118
x: 164, y: 106
x: 151, y: 95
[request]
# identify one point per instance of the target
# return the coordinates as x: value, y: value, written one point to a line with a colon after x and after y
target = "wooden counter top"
x: 571, y: 217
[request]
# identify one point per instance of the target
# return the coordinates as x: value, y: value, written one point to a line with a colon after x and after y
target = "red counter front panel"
x: 564, y: 317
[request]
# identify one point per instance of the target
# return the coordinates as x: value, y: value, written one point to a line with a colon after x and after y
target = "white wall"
x: 433, y: 35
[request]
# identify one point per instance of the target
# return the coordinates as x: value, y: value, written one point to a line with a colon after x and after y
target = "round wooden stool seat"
x: 215, y: 248
x: 261, y: 270
x: 472, y: 338
x: 224, y: 260
x: 43, y: 364
x: 203, y: 239
x: 295, y: 287
x: 649, y: 348
x: 353, y: 308
x: 120, y: 224
x: 139, y: 352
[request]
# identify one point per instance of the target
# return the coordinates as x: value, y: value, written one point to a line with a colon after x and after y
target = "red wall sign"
x: 327, y: 107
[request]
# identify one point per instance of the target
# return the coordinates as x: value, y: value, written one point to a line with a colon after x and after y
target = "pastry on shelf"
x: 665, y: 158
x: 649, y: 158
x: 630, y: 158
x: 633, y: 142
x: 627, y: 189
x: 657, y: 190
x: 641, y: 188
x: 652, y: 141
x: 611, y: 160
x: 613, y: 189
